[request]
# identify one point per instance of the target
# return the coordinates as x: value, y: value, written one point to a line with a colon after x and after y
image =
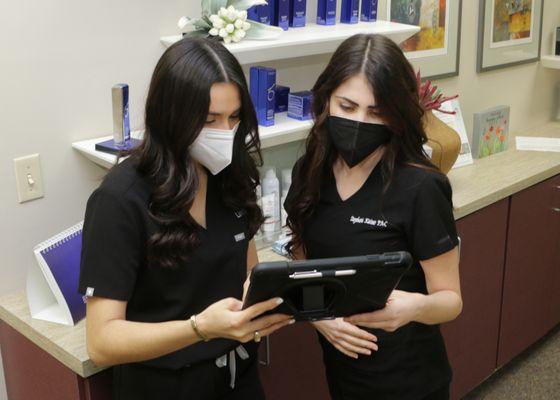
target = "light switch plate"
x: 28, y: 178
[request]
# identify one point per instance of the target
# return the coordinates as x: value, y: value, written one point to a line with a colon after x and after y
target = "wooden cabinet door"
x: 531, y: 269
x: 295, y: 369
x: 555, y: 278
x: 472, y: 339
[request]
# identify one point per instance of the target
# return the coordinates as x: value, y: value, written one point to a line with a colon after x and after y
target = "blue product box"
x: 282, y: 95
x: 326, y: 12
x: 349, y: 11
x: 265, y: 102
x: 271, y: 8
x: 264, y: 14
x: 297, y: 13
x: 369, y: 10
x: 282, y: 14
x: 299, y: 105
x: 253, y: 13
x: 254, y: 85
x: 259, y: 14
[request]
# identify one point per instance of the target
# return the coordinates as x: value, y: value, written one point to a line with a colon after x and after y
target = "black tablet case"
x: 328, y: 288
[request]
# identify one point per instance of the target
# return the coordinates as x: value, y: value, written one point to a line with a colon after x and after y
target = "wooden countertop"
x: 65, y: 343
x: 474, y: 187
x: 496, y: 177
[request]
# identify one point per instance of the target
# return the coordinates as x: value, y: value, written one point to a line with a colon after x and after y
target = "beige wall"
x: 60, y: 58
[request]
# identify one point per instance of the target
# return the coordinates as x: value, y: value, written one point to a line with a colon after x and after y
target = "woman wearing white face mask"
x: 167, y: 240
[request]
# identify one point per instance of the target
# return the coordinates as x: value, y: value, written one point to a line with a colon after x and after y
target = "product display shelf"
x: 310, y: 40
x: 284, y: 131
x: 551, y: 61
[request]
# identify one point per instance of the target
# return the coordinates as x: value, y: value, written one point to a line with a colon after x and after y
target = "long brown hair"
x: 176, y: 111
x: 395, y: 87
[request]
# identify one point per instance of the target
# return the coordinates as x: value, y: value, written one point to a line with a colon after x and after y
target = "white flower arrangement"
x: 227, y: 20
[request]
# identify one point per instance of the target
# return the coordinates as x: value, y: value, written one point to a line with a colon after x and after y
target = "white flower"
x: 227, y: 39
x: 246, y: 26
x: 222, y: 13
x: 232, y: 14
x: 239, y: 34
x: 183, y: 22
x: 238, y: 24
x: 235, y: 39
x: 219, y: 23
x: 223, y: 33
x: 230, y: 28
x: 213, y: 18
x: 242, y: 15
x: 214, y: 32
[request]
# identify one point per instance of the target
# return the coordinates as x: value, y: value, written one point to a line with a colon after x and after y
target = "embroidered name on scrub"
x: 369, y: 221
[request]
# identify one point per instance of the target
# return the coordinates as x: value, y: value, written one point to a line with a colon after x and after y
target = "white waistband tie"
x: 223, y: 361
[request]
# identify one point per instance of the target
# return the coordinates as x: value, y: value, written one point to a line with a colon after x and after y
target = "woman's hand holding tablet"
x: 226, y: 319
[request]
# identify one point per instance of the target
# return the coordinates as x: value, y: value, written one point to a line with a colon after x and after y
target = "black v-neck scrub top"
x: 116, y: 230
x: 414, y: 215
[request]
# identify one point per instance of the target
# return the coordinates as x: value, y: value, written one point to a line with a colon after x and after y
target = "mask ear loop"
x: 331, y: 148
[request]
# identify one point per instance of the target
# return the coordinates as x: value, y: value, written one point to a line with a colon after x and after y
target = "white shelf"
x: 284, y: 131
x: 309, y: 40
x: 296, y: 42
x: 551, y: 62
x: 105, y: 160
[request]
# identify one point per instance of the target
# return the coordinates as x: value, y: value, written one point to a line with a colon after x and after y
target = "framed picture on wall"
x: 435, y: 50
x: 509, y: 33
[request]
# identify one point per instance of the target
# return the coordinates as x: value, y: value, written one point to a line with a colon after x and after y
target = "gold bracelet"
x: 196, y: 330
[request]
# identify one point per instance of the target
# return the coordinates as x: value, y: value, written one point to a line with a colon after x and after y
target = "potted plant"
x: 226, y: 20
x: 444, y: 141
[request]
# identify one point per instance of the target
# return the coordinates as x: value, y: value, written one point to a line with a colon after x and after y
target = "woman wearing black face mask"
x: 365, y: 186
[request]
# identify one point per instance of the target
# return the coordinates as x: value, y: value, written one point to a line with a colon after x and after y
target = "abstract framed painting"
x: 509, y: 33
x: 435, y: 50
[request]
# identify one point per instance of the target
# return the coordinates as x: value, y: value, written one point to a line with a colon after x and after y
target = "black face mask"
x: 356, y: 140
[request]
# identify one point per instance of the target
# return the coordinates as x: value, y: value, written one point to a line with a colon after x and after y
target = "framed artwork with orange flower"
x: 435, y: 50
x: 509, y: 33
x: 490, y: 131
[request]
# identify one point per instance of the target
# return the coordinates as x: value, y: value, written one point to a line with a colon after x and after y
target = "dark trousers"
x: 204, y: 381
x: 336, y: 394
x: 346, y: 383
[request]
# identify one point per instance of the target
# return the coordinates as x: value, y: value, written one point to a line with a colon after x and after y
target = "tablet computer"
x: 330, y: 287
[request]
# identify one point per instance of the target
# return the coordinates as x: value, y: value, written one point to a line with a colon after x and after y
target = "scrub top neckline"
x: 207, y: 202
x: 357, y: 193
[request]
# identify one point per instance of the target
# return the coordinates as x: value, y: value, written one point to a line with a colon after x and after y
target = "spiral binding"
x: 60, y: 238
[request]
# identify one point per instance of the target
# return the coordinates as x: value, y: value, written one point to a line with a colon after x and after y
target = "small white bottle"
x: 286, y: 183
x: 271, y: 204
x: 259, y: 234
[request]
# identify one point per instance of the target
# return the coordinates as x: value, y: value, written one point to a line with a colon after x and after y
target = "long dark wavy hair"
x: 395, y: 87
x: 176, y: 111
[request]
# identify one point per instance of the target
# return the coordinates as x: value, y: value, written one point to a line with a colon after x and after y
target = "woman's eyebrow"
x: 217, y: 114
x: 356, y: 104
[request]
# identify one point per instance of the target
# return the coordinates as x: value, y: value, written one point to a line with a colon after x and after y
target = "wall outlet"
x: 28, y: 178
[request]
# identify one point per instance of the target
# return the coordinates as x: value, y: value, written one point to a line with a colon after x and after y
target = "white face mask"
x: 213, y: 148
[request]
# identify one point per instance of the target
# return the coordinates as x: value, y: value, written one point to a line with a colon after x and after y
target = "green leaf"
x: 217, y: 4
x: 207, y: 20
x: 260, y: 31
x: 497, y: 146
x: 206, y: 6
x: 241, y: 5
x: 202, y: 24
x: 196, y: 34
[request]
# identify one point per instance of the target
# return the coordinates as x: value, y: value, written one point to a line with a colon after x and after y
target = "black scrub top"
x: 414, y: 215
x: 116, y: 230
